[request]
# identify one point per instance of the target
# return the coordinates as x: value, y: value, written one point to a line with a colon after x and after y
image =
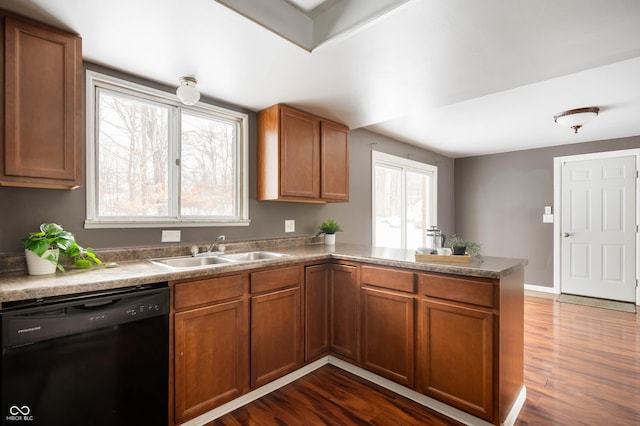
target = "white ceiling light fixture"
x: 576, y: 118
x: 187, y: 92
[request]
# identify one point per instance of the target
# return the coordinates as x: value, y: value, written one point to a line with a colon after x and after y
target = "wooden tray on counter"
x: 452, y: 258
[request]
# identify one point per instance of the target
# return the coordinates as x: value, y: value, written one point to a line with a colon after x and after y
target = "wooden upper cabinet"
x: 334, y: 146
x: 42, y: 128
x: 301, y: 157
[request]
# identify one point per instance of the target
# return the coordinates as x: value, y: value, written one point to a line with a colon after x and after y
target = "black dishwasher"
x: 92, y: 359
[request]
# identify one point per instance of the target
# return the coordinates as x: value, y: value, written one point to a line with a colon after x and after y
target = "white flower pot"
x: 41, y: 265
x: 330, y: 239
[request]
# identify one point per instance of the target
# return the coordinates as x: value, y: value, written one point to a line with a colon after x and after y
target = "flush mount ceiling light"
x: 187, y: 92
x: 576, y: 118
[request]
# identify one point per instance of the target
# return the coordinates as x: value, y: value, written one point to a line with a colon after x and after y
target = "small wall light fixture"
x: 576, y: 118
x: 187, y: 92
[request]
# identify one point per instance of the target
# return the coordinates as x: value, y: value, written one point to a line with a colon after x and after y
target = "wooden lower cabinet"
x: 344, y: 311
x: 211, y: 357
x: 276, y: 335
x: 456, y: 339
x: 388, y: 334
x: 455, y: 355
x: 317, y: 307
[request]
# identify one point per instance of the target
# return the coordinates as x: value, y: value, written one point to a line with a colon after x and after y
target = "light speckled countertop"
x: 20, y: 286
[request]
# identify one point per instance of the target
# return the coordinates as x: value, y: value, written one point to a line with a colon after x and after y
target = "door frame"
x: 557, y: 201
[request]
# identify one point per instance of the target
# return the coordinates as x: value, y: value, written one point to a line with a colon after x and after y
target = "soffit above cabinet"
x: 310, y: 24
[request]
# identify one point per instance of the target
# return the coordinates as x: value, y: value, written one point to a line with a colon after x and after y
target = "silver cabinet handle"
x: 568, y: 234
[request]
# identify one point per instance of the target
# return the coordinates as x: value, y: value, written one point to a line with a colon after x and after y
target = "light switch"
x: 547, y: 218
x: 547, y: 209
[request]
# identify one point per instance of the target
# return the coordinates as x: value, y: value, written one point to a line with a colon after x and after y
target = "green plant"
x: 473, y: 249
x: 329, y: 227
x: 51, y: 236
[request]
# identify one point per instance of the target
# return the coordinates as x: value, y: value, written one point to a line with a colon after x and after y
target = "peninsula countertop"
x: 16, y: 286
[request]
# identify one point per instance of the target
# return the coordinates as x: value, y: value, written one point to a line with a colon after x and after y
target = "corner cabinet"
x: 41, y: 73
x: 317, y: 311
x: 301, y: 157
x: 344, y: 322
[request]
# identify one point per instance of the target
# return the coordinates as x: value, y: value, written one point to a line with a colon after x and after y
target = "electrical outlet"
x: 170, y: 236
x: 289, y: 225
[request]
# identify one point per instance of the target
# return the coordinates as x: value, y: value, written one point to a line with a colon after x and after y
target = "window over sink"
x: 152, y: 161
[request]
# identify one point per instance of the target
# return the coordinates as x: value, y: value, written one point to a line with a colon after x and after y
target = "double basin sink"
x: 209, y: 259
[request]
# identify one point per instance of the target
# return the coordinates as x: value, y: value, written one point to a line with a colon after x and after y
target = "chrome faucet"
x: 215, y: 243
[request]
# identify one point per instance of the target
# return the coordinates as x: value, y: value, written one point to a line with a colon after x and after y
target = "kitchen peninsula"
x: 448, y: 335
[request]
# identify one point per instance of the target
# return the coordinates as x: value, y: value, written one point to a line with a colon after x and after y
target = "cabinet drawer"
x: 202, y: 292
x: 393, y: 279
x: 274, y: 279
x: 476, y: 292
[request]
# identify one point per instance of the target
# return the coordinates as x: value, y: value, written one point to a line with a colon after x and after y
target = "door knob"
x: 568, y: 234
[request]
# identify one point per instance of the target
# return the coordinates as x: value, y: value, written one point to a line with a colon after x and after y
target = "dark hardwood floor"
x: 332, y: 396
x: 581, y: 368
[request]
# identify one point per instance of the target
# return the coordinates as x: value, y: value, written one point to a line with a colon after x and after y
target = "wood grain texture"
x: 317, y: 311
x: 581, y: 365
x: 330, y: 396
x: 43, y: 84
x: 581, y: 368
x: 345, y: 311
x: 334, y: 164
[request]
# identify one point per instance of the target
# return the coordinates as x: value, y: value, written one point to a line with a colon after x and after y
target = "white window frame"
x: 380, y: 158
x: 95, y: 80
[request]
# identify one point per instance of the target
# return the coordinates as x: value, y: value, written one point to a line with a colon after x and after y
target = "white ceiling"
x: 459, y: 77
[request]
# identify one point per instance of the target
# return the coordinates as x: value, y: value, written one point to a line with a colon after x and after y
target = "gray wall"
x: 356, y: 215
x: 500, y: 200
x: 23, y: 209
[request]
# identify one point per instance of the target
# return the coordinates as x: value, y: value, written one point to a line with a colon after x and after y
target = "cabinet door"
x: 42, y: 90
x: 299, y: 154
x: 456, y: 356
x: 388, y: 334
x: 334, y: 148
x: 211, y: 357
x: 344, y: 311
x: 276, y: 335
x: 316, y: 301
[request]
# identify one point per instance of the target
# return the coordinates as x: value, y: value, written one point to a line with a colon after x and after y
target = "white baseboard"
x: 540, y: 288
x: 255, y: 394
x: 421, y: 399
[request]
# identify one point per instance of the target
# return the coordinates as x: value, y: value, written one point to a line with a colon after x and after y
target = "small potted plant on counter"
x: 43, y: 250
x: 460, y: 246
x: 329, y: 229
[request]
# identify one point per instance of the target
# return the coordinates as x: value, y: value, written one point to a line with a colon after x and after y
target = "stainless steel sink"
x: 193, y: 262
x: 253, y: 255
x: 205, y: 259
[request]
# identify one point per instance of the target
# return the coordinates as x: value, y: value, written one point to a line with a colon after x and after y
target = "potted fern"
x: 329, y: 229
x: 44, y: 247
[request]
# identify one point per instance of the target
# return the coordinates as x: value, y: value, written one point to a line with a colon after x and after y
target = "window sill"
x: 113, y: 224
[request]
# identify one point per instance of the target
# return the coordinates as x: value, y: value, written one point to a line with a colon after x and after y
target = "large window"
x: 152, y: 161
x: 404, y: 201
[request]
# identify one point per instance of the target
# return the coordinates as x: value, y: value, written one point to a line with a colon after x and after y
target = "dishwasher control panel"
x: 33, y: 324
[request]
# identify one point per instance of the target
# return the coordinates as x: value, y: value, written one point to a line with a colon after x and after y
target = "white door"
x: 598, y: 228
